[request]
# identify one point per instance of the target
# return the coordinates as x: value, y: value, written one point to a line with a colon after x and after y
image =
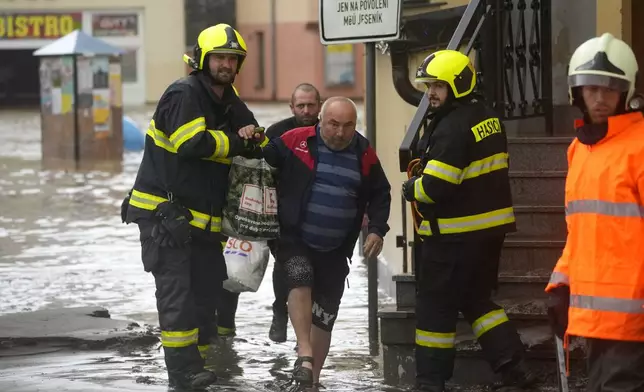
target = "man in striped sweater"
x: 329, y: 176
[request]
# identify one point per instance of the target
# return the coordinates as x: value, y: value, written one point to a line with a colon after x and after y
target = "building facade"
x: 152, y: 58
x: 573, y: 22
x: 284, y: 50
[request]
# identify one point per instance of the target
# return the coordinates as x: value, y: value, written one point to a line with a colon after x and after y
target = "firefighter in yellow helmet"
x: 462, y: 191
x: 198, y: 126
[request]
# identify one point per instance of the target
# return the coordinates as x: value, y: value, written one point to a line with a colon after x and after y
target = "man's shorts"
x: 324, y: 272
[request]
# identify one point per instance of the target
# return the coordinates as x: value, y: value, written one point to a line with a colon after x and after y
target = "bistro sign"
x: 38, y: 25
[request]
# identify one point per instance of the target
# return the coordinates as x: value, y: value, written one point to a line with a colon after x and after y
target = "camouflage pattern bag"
x: 250, y: 213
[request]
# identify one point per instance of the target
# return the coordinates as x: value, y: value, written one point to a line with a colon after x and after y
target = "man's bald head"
x: 338, y: 119
x: 340, y: 103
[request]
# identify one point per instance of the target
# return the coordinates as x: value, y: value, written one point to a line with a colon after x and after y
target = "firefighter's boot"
x: 516, y: 376
x: 192, y: 381
x: 185, y: 369
x: 277, y: 333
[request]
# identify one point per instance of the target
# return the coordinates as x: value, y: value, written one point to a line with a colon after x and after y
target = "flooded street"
x: 62, y: 244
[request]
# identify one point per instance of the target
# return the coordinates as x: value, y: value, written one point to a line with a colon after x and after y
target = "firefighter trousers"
x: 615, y: 366
x: 226, y: 311
x: 460, y: 276
x: 188, y: 281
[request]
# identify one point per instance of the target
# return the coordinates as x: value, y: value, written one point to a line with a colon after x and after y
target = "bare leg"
x: 320, y: 341
x: 299, y: 310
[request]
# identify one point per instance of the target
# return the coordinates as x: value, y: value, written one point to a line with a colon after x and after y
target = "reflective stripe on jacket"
x: 465, y: 189
x: 189, y: 145
x: 603, y: 260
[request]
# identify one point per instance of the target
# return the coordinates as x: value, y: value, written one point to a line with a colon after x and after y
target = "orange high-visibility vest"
x: 603, y: 260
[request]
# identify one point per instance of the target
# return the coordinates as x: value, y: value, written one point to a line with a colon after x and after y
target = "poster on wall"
x: 339, y: 65
x: 116, y: 85
x: 55, y: 65
x: 85, y: 77
x: 67, y: 84
x: 101, y: 95
x: 45, y: 86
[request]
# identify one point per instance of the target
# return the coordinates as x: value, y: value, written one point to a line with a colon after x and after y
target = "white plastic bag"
x: 246, y: 263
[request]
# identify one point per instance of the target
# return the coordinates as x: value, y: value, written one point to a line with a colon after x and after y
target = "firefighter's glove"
x: 252, y: 150
x: 173, y: 225
x: 408, y: 189
x: 124, y: 206
x: 558, y: 304
x: 162, y: 237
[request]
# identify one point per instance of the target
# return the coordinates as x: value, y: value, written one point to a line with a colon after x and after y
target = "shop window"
x: 129, y: 66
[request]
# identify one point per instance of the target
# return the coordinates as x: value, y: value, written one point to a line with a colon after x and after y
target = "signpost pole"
x: 372, y: 262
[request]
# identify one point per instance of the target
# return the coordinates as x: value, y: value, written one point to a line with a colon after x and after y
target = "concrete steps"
x: 530, y: 256
x: 540, y: 221
x: 531, y: 188
x: 538, y: 154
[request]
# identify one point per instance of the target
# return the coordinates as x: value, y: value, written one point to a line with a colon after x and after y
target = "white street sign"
x: 357, y: 21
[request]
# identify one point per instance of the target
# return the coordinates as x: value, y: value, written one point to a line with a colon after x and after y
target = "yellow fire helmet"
x: 451, y: 67
x: 603, y: 61
x: 219, y: 38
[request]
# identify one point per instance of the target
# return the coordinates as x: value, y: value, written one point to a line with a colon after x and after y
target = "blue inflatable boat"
x: 133, y: 136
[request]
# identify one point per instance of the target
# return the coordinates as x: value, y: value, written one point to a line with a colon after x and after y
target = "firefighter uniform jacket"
x: 188, y: 149
x: 603, y: 260
x: 464, y: 190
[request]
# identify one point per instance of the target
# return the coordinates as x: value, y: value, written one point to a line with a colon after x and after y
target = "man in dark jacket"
x: 305, y: 106
x: 463, y: 194
x: 179, y: 193
x: 328, y: 177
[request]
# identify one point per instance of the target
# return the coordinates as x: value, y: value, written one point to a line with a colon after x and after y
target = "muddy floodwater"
x: 62, y: 244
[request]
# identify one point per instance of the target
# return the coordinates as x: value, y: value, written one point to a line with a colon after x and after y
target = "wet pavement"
x: 62, y: 244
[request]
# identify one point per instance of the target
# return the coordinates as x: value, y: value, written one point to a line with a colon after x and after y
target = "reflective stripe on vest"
x: 605, y: 208
x: 559, y: 278
x: 470, y: 223
x: 607, y: 304
x: 149, y: 202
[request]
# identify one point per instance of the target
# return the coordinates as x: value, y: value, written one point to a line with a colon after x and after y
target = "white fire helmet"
x: 603, y: 61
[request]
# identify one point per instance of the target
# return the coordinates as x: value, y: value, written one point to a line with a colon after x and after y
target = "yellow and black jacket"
x: 188, y: 149
x: 464, y: 191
